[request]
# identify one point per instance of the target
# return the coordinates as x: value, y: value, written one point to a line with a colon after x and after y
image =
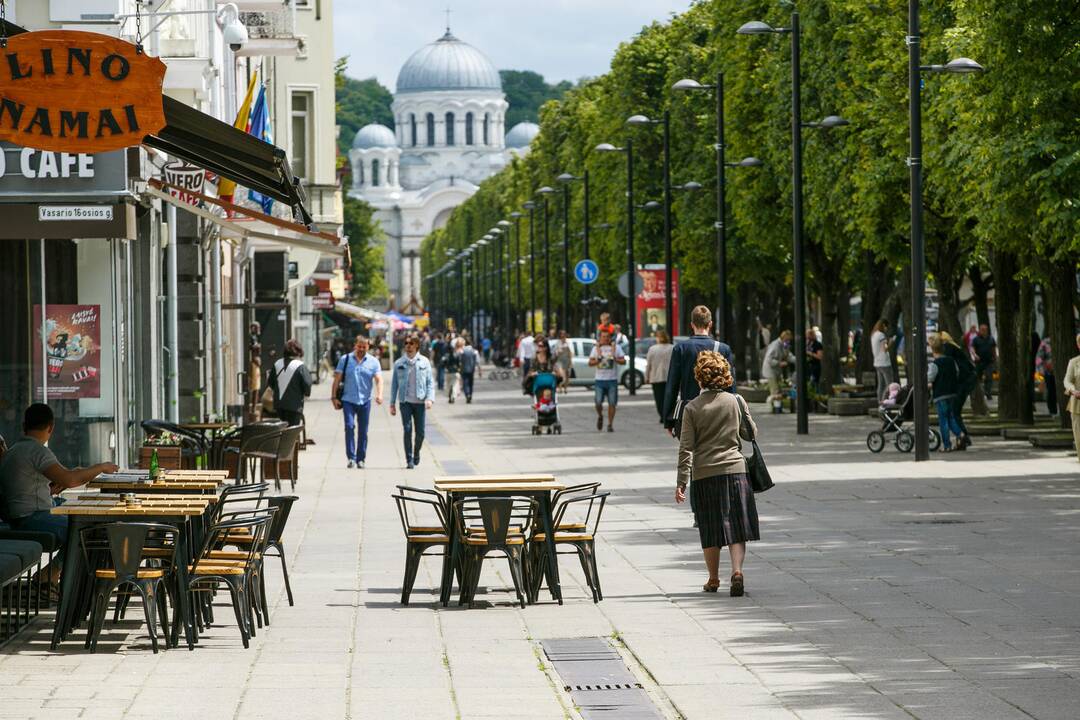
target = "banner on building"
x: 72, y: 335
x: 652, y: 301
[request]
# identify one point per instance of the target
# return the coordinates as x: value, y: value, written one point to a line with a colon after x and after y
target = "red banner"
x: 72, y: 349
x: 651, y: 302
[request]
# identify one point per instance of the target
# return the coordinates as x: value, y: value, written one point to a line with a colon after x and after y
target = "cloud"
x: 560, y: 39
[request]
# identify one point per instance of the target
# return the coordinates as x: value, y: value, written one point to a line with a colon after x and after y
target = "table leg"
x: 549, y: 542
x: 69, y: 583
x: 446, y: 587
x: 183, y: 598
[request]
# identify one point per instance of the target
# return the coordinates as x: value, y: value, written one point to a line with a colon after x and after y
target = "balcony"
x: 270, y: 31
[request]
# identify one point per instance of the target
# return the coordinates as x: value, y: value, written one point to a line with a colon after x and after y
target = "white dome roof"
x: 522, y: 135
x: 448, y: 64
x: 373, y: 136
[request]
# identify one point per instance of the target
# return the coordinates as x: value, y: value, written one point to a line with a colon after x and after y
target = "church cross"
x: 448, y: 11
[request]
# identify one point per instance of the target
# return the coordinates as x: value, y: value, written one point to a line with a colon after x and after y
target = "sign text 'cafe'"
x: 73, y: 91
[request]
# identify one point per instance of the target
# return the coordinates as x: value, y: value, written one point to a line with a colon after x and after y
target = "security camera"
x: 236, y: 35
x: 232, y: 30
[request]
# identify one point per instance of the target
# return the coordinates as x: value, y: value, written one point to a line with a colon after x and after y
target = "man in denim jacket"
x: 412, y: 384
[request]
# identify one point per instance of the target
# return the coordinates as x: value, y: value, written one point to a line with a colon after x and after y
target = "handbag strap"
x: 745, y: 417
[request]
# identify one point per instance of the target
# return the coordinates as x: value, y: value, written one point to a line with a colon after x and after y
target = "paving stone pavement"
x: 881, y: 588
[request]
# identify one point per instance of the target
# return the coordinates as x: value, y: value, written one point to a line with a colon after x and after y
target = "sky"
x: 560, y: 39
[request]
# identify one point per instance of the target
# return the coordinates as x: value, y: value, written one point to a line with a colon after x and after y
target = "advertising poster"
x: 72, y: 351
x: 651, y: 302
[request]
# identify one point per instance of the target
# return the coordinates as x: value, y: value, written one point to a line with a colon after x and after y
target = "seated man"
x: 30, y: 475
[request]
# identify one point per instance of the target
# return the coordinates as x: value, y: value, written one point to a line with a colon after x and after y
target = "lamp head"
x: 688, y: 84
x: 606, y: 147
x: 566, y: 177
x: 651, y: 205
x: 833, y: 121
x: 691, y: 186
x: 963, y: 65
x: 504, y: 223
x: 529, y: 205
x: 750, y: 162
x: 515, y: 215
x: 638, y: 120
x: 756, y: 27
x: 546, y: 190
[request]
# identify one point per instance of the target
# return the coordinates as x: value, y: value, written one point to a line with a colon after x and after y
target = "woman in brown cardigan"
x: 709, y: 451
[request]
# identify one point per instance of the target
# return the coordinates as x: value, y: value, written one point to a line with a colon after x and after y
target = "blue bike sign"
x: 586, y: 272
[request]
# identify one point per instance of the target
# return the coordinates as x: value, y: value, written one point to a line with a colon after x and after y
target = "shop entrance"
x: 268, y: 325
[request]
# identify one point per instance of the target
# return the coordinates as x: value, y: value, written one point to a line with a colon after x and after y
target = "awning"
x: 284, y: 232
x: 209, y: 143
x: 360, y: 313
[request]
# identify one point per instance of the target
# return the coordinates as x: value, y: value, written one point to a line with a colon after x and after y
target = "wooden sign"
x: 78, y: 92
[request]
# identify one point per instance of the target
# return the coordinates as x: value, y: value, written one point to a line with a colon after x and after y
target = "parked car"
x: 584, y: 374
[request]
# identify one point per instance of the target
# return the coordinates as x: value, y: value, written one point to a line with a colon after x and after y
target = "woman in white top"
x: 564, y: 359
x: 657, y: 361
x: 879, y: 345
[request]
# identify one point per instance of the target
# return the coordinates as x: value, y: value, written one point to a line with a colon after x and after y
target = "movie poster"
x: 651, y: 305
x: 72, y: 351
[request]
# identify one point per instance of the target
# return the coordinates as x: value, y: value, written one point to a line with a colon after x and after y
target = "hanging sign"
x: 78, y: 92
x: 185, y: 182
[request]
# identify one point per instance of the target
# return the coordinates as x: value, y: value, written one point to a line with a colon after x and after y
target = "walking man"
x: 412, y: 385
x: 526, y: 352
x: 606, y: 356
x: 357, y: 373
x: 467, y: 367
x: 681, y: 384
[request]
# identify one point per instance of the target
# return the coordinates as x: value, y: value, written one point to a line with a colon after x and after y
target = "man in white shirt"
x: 526, y: 352
x: 606, y: 357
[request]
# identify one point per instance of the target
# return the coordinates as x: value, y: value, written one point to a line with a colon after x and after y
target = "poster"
x: 72, y: 351
x: 651, y: 301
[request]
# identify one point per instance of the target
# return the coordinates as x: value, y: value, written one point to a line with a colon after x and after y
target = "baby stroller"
x: 546, y: 417
x: 893, y: 418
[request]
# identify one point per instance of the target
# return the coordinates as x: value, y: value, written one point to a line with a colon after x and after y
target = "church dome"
x: 522, y: 135
x: 448, y: 64
x: 374, y: 136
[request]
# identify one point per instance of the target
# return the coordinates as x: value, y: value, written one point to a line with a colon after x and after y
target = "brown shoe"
x: 737, y: 588
x: 711, y: 586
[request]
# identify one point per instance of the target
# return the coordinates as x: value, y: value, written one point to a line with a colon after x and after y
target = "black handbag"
x: 760, y: 480
x: 341, y: 385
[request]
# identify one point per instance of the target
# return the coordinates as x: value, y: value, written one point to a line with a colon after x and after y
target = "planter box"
x: 169, y: 457
x: 754, y: 394
x: 847, y: 406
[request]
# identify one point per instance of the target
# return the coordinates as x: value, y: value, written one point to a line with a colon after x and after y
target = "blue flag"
x: 259, y: 126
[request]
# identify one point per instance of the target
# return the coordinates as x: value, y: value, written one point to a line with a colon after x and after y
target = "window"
x: 430, y: 129
x: 375, y: 173
x: 487, y: 122
x: 469, y: 128
x: 450, y: 128
x: 360, y: 171
x: 302, y: 134
x: 412, y: 128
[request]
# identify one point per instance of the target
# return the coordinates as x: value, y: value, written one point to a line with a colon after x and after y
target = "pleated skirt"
x: 724, y: 509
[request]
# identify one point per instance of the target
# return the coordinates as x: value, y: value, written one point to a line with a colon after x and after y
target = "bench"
x: 18, y: 560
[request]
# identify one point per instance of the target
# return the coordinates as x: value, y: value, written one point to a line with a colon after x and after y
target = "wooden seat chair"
x: 493, y: 524
x: 578, y: 532
x: 282, y: 504
x: 422, y: 534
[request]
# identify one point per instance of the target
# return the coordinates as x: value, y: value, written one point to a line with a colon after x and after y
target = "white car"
x: 584, y: 374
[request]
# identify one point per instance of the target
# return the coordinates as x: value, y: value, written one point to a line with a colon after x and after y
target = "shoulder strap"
x: 745, y: 417
x: 716, y: 346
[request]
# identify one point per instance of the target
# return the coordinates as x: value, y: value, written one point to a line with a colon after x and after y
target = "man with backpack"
x: 467, y: 367
x: 681, y: 386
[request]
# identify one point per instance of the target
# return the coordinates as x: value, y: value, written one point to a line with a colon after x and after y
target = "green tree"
x: 527, y: 91
x: 359, y: 102
x: 366, y: 246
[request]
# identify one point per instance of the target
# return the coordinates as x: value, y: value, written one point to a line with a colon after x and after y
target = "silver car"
x: 584, y: 374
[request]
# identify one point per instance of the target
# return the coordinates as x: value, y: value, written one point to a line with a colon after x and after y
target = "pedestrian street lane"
x: 881, y: 588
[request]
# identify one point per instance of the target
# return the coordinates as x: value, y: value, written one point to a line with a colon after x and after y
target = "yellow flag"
x: 227, y: 187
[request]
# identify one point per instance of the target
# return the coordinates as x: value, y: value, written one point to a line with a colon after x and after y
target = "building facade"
x: 449, y: 136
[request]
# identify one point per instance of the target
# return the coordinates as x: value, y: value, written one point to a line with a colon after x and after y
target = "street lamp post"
x: 722, y: 312
x: 517, y: 262
x: 531, y: 316
x: 665, y: 121
x: 567, y: 178
x: 918, y: 247
x: 504, y: 226
x: 564, y: 311
x: 756, y: 27
x: 545, y: 191
x: 631, y: 267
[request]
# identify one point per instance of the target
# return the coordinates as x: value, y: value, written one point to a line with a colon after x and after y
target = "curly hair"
x: 712, y: 371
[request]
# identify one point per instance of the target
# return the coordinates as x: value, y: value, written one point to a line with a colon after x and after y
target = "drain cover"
x: 598, y: 680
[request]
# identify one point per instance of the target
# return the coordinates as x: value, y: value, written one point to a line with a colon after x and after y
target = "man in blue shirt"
x: 355, y: 376
x: 680, y: 380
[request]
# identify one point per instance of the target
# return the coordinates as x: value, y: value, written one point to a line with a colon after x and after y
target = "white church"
x: 449, y: 111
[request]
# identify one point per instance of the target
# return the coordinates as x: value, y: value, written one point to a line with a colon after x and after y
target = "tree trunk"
x: 739, y: 333
x: 843, y: 326
x: 830, y: 339
x: 1059, y: 302
x: 1006, y: 306
x: 1025, y: 359
x: 877, y: 286
x: 980, y: 288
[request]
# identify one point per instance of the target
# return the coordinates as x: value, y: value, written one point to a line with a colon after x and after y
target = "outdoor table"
x: 209, y: 431
x: 180, y: 486
x: 85, y: 513
x: 538, y: 487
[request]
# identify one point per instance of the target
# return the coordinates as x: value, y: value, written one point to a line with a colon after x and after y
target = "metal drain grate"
x: 598, y: 680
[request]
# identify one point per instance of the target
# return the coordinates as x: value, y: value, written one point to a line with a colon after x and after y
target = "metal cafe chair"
x: 581, y: 536
x: 419, y: 538
x: 493, y: 524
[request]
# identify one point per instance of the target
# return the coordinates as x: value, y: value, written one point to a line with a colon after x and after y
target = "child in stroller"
x: 896, y: 409
x: 545, y: 406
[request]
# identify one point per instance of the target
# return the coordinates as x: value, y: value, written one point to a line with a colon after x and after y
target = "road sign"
x: 586, y: 272
x: 323, y: 301
x: 624, y: 283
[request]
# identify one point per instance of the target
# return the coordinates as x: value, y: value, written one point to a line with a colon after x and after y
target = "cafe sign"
x: 78, y: 92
